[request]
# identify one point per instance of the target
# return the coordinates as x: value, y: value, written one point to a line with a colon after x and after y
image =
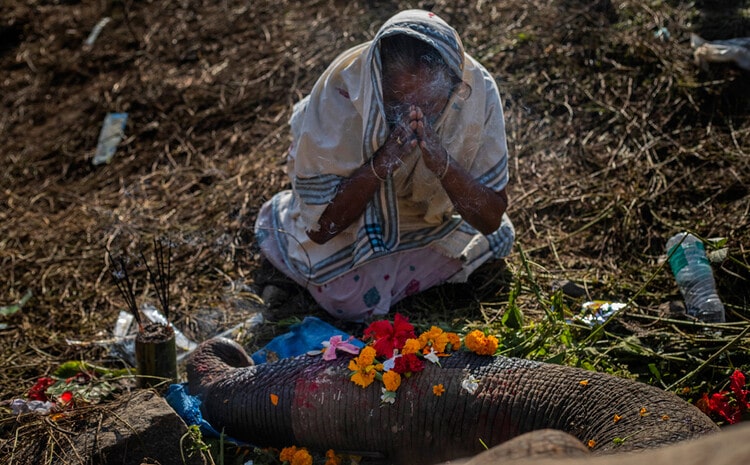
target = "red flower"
x: 39, y: 390
x: 66, y: 397
x: 730, y: 405
x: 389, y: 336
x: 408, y: 363
x: 737, y: 382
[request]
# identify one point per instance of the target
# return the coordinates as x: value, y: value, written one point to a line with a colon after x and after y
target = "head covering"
x: 338, y: 127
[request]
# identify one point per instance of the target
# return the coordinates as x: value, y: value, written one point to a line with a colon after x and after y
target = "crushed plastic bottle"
x: 695, y: 278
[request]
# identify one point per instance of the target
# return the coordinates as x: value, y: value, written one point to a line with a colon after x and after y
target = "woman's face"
x: 422, y: 87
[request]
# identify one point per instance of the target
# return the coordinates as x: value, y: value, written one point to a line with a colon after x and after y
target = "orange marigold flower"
x: 643, y: 412
x: 332, y: 458
x: 665, y: 417
x: 438, y: 389
x: 391, y: 380
x: 287, y: 453
x: 477, y: 342
x: 584, y: 382
x: 591, y: 443
x: 435, y: 338
x: 453, y: 340
x: 363, y: 367
x: 301, y: 457
x: 617, y: 418
x: 274, y: 399
x: 411, y: 346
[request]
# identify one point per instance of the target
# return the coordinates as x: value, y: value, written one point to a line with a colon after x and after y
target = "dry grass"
x: 617, y: 141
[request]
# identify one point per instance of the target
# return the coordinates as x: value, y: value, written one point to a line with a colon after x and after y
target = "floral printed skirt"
x: 372, y: 288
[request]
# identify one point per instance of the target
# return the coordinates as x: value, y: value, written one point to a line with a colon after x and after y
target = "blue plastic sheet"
x: 302, y: 337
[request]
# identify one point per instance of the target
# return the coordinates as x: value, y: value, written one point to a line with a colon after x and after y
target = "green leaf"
x: 11, y: 309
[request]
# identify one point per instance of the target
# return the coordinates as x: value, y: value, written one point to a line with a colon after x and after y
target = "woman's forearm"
x: 477, y: 204
x: 348, y: 204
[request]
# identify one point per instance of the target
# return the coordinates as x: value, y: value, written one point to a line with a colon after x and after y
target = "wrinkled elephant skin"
x: 307, y: 401
x: 731, y: 446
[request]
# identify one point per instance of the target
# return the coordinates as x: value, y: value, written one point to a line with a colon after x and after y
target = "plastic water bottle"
x: 692, y: 270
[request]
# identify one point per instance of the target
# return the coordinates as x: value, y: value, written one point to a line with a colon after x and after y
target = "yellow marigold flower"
x: 366, y: 356
x: 364, y: 377
x: 363, y: 370
x: 391, y: 380
x: 438, y: 389
x: 591, y: 443
x: 435, y: 338
x: 584, y: 382
x: 411, y: 346
x: 287, y: 453
x: 453, y: 340
x: 665, y: 417
x: 477, y: 342
x: 332, y: 458
x: 301, y: 457
x: 617, y: 418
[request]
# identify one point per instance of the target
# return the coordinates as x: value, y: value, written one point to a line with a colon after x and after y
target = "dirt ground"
x: 617, y: 141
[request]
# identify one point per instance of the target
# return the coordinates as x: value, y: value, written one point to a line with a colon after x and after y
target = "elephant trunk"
x: 310, y: 402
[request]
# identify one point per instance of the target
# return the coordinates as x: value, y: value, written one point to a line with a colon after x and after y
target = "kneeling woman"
x: 398, y: 166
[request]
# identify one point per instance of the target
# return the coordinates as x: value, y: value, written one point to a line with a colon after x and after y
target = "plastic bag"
x: 721, y: 51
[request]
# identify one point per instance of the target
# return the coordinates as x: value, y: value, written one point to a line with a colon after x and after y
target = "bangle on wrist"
x: 445, y: 170
x: 372, y: 168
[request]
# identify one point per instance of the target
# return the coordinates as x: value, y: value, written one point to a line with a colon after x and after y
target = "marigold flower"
x: 453, y: 340
x: 287, y: 453
x: 584, y: 382
x: 363, y: 367
x: 617, y: 418
x: 274, y: 399
x: 643, y: 412
x: 301, y: 457
x: 391, y: 380
x: 438, y: 389
x: 477, y: 342
x: 411, y: 346
x: 435, y: 338
x: 332, y: 458
x: 591, y: 443
x: 664, y: 417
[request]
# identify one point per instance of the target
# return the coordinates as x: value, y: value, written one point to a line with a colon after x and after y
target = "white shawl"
x: 338, y: 127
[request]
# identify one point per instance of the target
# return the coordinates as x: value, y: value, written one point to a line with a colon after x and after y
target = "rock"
x: 142, y: 428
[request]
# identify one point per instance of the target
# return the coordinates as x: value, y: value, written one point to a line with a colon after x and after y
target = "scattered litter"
x: 721, y: 51
x: 569, y: 288
x: 112, y: 132
x: 125, y: 332
x: 662, y: 34
x: 597, y: 312
x: 19, y: 406
x: 236, y: 331
x: 96, y: 31
x: 13, y: 308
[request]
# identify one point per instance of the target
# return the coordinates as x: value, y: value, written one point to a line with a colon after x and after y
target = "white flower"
x: 432, y: 356
x: 388, y: 397
x: 391, y: 362
x: 470, y: 384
